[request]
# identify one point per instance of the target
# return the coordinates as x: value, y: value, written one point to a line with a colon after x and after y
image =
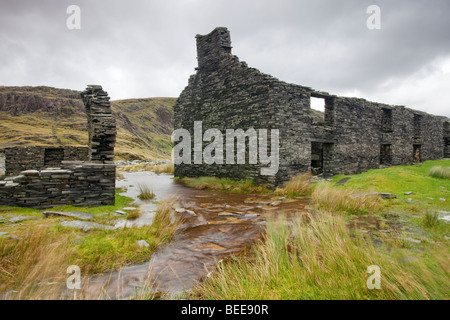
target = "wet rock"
x: 226, y: 214
x: 387, y: 195
x: 210, y: 246
x: 442, y: 199
x: 408, y: 193
x: 21, y: 218
x: 251, y: 215
x: 3, y: 233
x: 143, y: 243
x: 121, y: 212
x: 73, y: 214
x: 184, y: 210
x: 85, y: 226
x: 342, y: 181
x: 275, y: 203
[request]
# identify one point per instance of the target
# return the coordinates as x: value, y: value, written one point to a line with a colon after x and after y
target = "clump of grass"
x: 145, y: 192
x: 225, y: 184
x: 167, y: 167
x: 320, y: 260
x: 431, y: 218
x: 297, y: 185
x: 343, y: 200
x: 158, y: 168
x: 440, y: 172
x: 134, y: 214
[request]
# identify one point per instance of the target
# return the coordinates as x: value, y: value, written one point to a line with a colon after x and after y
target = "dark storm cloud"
x: 147, y: 48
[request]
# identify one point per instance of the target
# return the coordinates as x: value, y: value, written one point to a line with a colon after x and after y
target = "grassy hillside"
x: 51, y: 116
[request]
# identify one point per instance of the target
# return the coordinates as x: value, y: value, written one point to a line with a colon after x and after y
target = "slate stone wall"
x: 20, y: 158
x: 225, y: 93
x: 77, y: 183
x: 44, y: 177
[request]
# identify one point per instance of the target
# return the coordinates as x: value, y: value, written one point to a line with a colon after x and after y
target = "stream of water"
x: 215, y: 226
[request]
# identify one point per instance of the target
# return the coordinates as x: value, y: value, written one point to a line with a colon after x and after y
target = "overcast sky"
x: 147, y: 48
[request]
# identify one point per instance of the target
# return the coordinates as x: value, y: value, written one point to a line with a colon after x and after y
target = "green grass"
x: 320, y: 260
x: 109, y: 250
x: 431, y: 218
x: 401, y: 179
x: 225, y: 184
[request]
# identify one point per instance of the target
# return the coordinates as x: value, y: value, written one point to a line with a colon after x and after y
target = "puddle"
x: 214, y: 226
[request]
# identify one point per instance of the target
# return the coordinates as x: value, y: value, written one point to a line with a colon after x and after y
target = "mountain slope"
x: 51, y: 116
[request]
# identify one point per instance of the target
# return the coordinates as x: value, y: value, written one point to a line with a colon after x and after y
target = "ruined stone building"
x: 352, y: 136
x: 42, y: 177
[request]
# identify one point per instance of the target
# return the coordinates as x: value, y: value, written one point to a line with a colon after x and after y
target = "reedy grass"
x: 297, y: 186
x: 145, y: 192
x: 320, y: 260
x: 440, y: 172
x: 431, y: 218
x: 333, y: 199
x: 225, y: 184
x: 158, y: 168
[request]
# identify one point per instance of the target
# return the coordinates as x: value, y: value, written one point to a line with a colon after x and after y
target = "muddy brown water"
x: 223, y: 225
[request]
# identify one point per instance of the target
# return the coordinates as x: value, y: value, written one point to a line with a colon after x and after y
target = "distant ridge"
x: 51, y: 116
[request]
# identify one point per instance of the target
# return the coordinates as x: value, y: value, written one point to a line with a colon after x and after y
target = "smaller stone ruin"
x: 43, y: 177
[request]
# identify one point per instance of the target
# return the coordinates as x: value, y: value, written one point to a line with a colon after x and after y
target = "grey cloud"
x: 147, y: 48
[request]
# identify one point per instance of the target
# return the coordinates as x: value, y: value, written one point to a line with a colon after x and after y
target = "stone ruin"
x: 43, y: 177
x: 352, y: 136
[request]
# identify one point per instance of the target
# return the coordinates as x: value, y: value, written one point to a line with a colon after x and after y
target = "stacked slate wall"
x: 21, y: 158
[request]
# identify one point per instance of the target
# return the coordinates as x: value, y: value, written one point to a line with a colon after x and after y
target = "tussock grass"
x: 31, y: 264
x: 158, y: 168
x: 134, y: 214
x: 297, y: 186
x: 431, y: 218
x: 145, y: 192
x: 343, y: 200
x: 320, y: 260
x: 440, y: 172
x: 225, y: 184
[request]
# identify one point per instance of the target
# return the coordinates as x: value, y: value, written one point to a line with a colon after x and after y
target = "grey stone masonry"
x: 21, y: 158
x: 101, y: 124
x: 354, y: 135
x: 44, y: 177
